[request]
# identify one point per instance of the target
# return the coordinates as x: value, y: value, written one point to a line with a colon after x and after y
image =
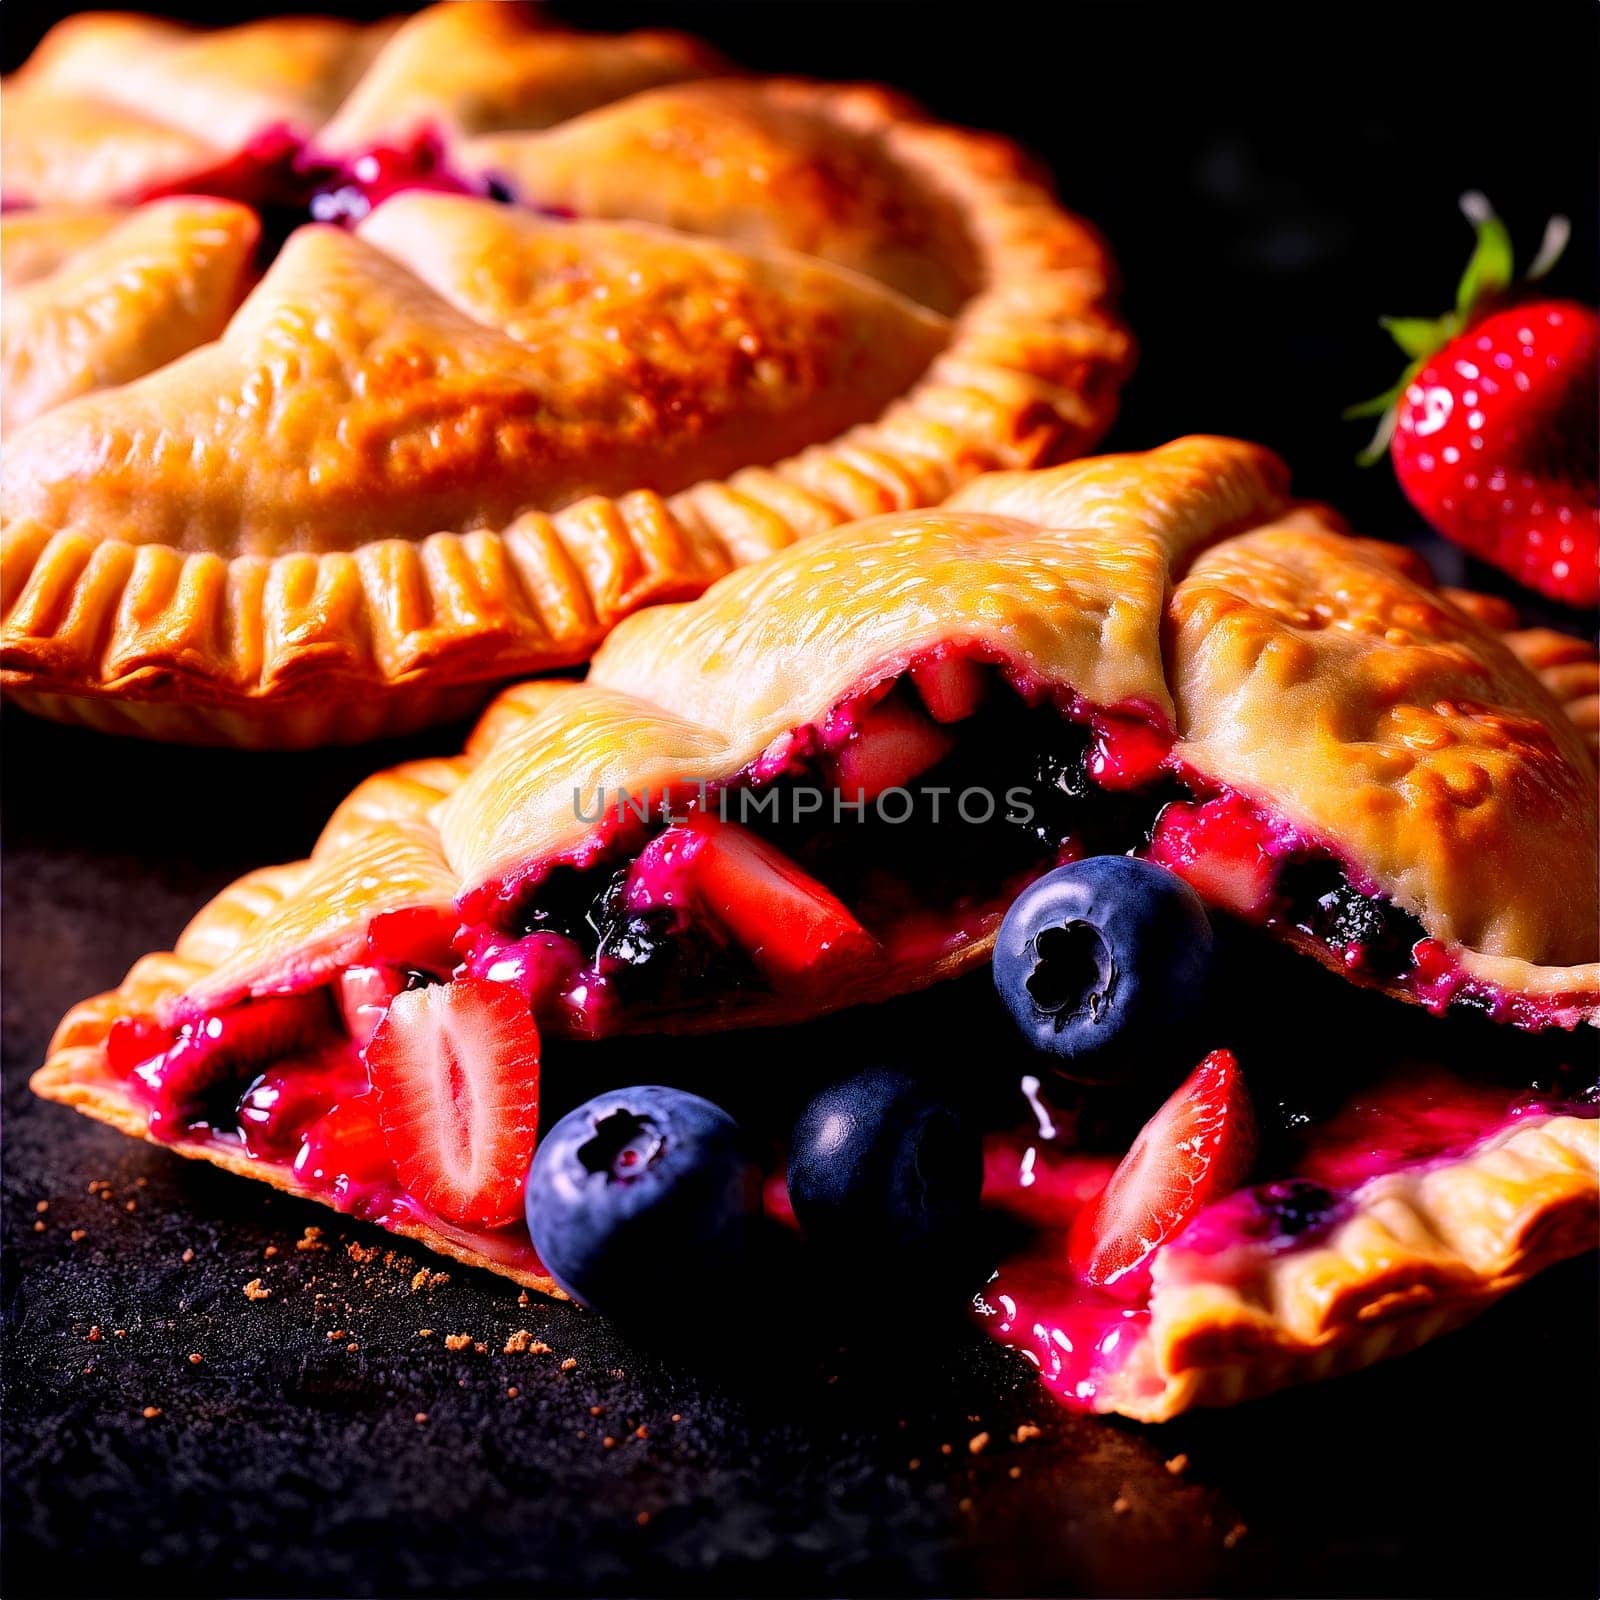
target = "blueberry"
x: 882, y: 1172
x: 1296, y: 1204
x: 1103, y: 960
x: 638, y: 1191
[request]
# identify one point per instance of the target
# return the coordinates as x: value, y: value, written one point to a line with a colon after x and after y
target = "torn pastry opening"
x: 869, y: 853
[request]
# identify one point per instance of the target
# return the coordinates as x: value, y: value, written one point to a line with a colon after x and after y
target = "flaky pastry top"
x: 1168, y: 584
x: 461, y: 440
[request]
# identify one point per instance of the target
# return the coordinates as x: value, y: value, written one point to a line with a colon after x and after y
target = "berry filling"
x: 1075, y: 1292
x: 846, y: 861
x: 1270, y: 874
x: 895, y: 830
x: 344, y: 192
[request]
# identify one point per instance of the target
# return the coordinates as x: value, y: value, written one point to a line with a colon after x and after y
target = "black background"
x: 1272, y: 178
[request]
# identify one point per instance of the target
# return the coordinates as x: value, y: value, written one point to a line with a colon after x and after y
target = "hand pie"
x: 734, y: 821
x: 570, y: 328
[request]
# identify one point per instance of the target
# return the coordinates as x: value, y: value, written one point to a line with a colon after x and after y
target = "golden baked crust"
x: 1418, y: 1251
x: 1098, y: 575
x: 1316, y: 673
x: 100, y: 311
x: 117, y: 107
x: 387, y: 480
x: 1314, y: 670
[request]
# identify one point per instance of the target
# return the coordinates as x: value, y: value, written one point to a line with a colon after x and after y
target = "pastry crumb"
x: 1178, y: 1464
x: 608, y: 1443
x: 361, y: 1254
x: 94, y: 1334
x: 643, y: 1518
x: 424, y: 1279
x: 340, y: 1334
x: 481, y: 1347
x: 424, y: 1333
x: 512, y: 1392
x: 523, y: 1300
x: 311, y: 1239
x: 42, y: 1206
x: 945, y: 1449
x: 150, y: 1413
x: 1121, y: 1506
x: 978, y: 1443
x: 132, y: 1205
x: 119, y: 1333
x: 677, y: 1416
x: 641, y: 1432
x: 964, y: 1503
x: 1013, y: 1472
x: 569, y: 1363
x: 256, y: 1290
x: 77, y: 1234
x: 421, y: 1417
x: 1234, y: 1535
x: 188, y: 1255
x: 597, y: 1411
x: 38, y: 1227
x: 457, y: 1341
x: 195, y: 1358
x: 1025, y: 1432
x: 914, y: 1464
x: 519, y: 1343
x: 270, y: 1252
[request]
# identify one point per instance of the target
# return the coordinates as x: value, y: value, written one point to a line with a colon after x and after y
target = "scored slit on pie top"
x: 491, y: 334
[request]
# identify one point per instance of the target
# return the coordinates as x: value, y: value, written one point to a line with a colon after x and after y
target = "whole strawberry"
x: 1494, y: 429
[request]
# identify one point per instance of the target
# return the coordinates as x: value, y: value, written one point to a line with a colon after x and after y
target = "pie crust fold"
x: 412, y: 464
x: 1179, y: 606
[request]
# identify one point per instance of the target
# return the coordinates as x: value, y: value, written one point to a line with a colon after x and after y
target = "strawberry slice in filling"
x: 866, y: 854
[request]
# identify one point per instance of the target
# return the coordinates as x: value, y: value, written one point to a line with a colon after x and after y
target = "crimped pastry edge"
x: 1397, y: 1271
x: 224, y: 646
x: 1209, y: 1344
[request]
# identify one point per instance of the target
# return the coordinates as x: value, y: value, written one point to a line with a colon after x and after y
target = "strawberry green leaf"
x: 1490, y: 270
x: 1419, y: 337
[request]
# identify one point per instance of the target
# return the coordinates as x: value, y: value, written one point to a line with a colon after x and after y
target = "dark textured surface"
x: 1267, y: 197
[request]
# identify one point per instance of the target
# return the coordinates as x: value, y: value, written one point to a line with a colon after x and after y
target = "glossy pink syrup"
x: 312, y: 1112
x: 1081, y: 1338
x: 259, y: 174
x: 1223, y: 825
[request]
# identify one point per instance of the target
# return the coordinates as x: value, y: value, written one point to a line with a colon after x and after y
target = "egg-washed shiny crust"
x: 1419, y: 1251
x: 458, y: 443
x: 1319, y: 674
x: 1083, y: 571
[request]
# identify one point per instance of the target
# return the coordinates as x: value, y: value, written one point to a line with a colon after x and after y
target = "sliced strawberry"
x: 345, y: 1146
x: 893, y: 744
x: 952, y: 687
x: 364, y: 995
x: 791, y: 926
x: 1222, y: 848
x: 1197, y: 1148
x: 229, y: 1043
x: 456, y: 1070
